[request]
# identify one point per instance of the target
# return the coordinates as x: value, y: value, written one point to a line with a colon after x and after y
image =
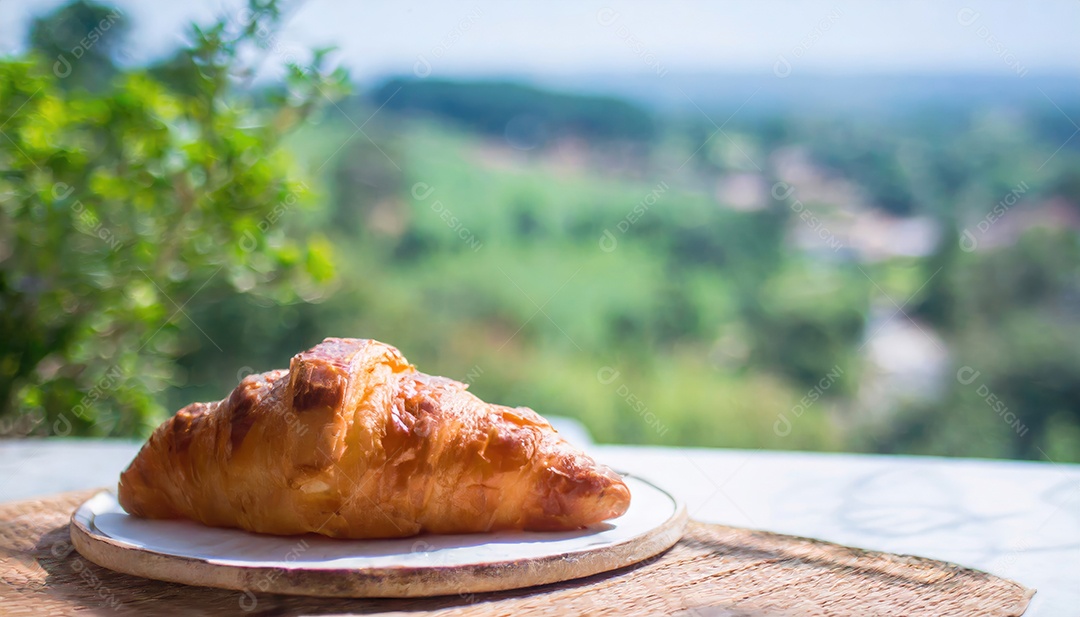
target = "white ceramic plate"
x: 427, y: 565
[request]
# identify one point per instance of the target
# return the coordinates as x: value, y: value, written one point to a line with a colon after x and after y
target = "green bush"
x: 123, y: 205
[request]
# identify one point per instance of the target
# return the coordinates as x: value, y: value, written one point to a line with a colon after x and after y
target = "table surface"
x: 1020, y: 520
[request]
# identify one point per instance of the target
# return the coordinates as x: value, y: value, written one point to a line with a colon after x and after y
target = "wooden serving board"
x: 428, y: 565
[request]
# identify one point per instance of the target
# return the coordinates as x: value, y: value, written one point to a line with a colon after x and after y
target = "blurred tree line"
x: 577, y: 254
x: 528, y: 116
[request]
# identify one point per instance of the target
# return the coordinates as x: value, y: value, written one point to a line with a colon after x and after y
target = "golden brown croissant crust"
x: 353, y: 442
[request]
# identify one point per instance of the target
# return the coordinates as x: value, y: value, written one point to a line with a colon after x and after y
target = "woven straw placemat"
x: 714, y: 571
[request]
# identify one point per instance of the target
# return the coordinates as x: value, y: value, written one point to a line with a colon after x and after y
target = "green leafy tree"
x: 122, y: 210
x: 79, y: 40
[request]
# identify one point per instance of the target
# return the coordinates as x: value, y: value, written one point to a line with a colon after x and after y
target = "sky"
x: 481, y: 38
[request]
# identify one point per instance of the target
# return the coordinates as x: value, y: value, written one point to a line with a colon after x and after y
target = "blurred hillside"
x: 897, y: 274
x: 897, y: 283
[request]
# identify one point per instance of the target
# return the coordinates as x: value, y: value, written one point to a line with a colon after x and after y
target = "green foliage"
x: 119, y: 208
x: 78, y: 42
x: 1017, y: 323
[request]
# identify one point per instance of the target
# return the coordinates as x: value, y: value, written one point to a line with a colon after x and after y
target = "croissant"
x: 352, y: 442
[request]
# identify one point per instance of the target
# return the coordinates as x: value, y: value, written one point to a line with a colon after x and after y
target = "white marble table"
x: 1018, y: 520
